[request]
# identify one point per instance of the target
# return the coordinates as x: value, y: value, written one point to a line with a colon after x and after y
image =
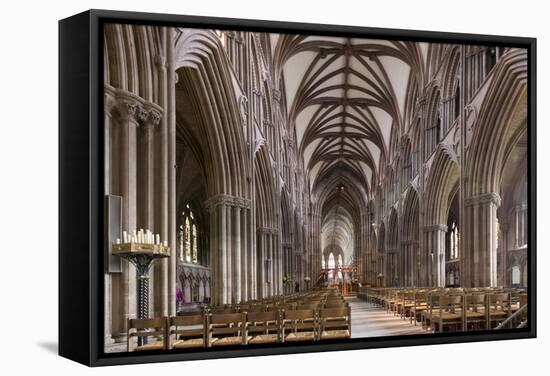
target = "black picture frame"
x: 81, y: 202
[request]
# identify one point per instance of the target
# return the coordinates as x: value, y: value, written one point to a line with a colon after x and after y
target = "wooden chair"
x: 220, y: 310
x: 287, y: 306
x: 189, y: 331
x: 193, y: 312
x: 449, y: 314
x: 299, y: 325
x: 255, y: 308
x: 419, y: 305
x: 142, y: 329
x: 475, y: 315
x: 432, y: 304
x: 404, y: 298
x: 307, y: 306
x: 335, y: 305
x: 335, y: 323
x: 226, y: 329
x: 262, y: 327
x: 523, y: 301
x: 499, y: 308
x: 390, y: 300
x: 397, y: 303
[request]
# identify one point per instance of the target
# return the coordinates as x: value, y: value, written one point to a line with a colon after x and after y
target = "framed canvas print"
x: 237, y: 187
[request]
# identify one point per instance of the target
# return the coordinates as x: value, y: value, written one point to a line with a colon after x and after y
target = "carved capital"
x: 268, y: 230
x: 127, y: 109
x: 437, y: 227
x: 149, y: 118
x: 227, y: 200
x: 486, y: 198
x: 130, y: 107
x: 241, y: 202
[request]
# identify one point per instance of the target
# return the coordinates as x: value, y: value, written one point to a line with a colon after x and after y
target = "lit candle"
x: 117, y: 241
x: 157, y: 239
x: 165, y: 243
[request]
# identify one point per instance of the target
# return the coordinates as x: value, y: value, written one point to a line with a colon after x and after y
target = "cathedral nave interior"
x: 311, y: 188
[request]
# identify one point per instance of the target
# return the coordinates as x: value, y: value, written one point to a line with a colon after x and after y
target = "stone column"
x: 171, y: 123
x: 403, y: 264
x: 236, y: 256
x: 423, y: 263
x: 228, y: 245
x: 149, y: 119
x: 213, y: 256
x: 262, y: 254
x: 221, y: 254
x: 279, y: 266
x: 413, y: 262
x: 107, y: 174
x: 276, y: 263
x: 163, y: 177
x: 269, y: 272
x: 316, y: 246
x: 410, y: 262
x: 480, y: 265
x: 503, y: 279
x: 229, y: 226
x: 403, y: 261
x: 127, y: 109
x: 245, y: 256
x: 435, y: 244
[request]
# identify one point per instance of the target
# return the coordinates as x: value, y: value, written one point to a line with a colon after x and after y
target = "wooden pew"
x: 144, y: 329
x: 189, y: 331
x: 299, y: 325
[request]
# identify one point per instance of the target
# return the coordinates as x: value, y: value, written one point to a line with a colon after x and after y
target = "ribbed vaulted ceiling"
x: 345, y: 96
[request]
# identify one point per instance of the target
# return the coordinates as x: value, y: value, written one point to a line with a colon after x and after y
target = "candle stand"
x: 142, y: 256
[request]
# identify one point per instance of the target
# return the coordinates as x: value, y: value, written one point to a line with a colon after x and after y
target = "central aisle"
x: 368, y: 320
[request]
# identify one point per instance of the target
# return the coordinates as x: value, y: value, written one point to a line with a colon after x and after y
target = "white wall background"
x: 28, y: 186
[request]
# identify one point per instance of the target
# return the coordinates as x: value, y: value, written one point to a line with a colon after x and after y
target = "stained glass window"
x: 454, y: 241
x: 181, y: 242
x: 187, y: 240
x: 194, y: 238
x: 189, y: 247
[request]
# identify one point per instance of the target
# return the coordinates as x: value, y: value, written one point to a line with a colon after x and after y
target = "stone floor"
x: 368, y: 320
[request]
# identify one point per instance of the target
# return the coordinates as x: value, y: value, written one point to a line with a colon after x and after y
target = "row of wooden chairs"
x: 298, y: 301
x: 450, y: 309
x: 239, y: 328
